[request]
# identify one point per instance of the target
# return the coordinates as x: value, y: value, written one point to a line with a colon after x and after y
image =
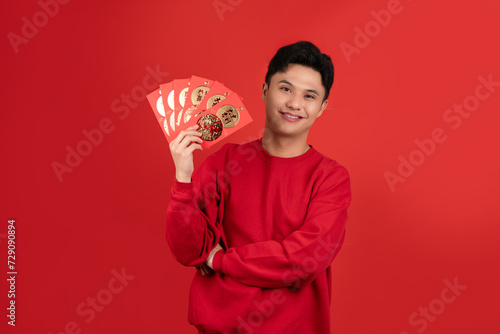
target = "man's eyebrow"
x: 308, y: 90
x: 313, y: 91
x: 285, y: 82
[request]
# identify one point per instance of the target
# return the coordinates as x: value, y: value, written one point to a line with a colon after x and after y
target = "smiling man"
x: 263, y: 221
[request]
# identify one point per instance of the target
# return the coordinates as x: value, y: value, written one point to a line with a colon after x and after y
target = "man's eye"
x: 286, y: 89
x: 310, y: 96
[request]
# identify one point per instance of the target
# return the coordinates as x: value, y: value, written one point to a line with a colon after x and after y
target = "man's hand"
x: 204, y: 269
x: 210, y: 258
x: 182, y: 148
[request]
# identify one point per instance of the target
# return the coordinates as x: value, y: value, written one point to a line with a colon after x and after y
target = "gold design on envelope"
x: 198, y: 94
x: 229, y: 115
x: 210, y: 127
x: 213, y: 100
x: 182, y: 96
x: 200, y: 112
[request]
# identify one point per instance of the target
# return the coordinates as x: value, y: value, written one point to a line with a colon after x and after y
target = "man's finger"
x: 193, y: 147
x: 188, y: 139
x: 182, y: 137
x: 191, y: 130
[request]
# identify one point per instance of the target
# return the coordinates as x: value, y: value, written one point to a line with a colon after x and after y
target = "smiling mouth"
x: 290, y: 115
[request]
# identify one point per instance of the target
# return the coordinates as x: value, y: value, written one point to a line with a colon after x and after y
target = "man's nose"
x: 294, y: 102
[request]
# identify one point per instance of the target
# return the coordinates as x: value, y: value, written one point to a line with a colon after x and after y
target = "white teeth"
x: 287, y: 115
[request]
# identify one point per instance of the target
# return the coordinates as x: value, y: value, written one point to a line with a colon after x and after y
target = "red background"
x: 441, y: 223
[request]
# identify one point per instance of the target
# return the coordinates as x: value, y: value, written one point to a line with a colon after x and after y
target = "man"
x: 262, y: 221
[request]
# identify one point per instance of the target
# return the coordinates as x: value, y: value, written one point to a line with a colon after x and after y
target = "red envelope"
x: 217, y: 93
x: 218, y: 122
x: 217, y: 110
x: 156, y: 102
x: 181, y: 87
x: 198, y: 88
x: 167, y: 91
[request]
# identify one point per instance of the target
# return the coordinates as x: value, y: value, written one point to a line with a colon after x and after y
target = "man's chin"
x: 281, y: 127
x: 284, y: 131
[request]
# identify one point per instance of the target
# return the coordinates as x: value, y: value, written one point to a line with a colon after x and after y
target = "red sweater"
x: 280, y: 221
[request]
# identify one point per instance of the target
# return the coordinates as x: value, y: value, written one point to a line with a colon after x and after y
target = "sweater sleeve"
x: 305, y: 253
x: 192, y: 227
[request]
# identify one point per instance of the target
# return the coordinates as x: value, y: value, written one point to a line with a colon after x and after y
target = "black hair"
x: 306, y: 54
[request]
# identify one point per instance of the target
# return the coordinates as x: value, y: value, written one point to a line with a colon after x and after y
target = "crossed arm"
x: 194, y: 231
x: 194, y: 237
x: 301, y: 256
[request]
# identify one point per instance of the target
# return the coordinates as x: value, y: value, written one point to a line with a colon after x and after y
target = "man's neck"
x: 284, y: 147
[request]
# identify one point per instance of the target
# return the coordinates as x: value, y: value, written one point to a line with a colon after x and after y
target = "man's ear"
x: 323, y: 107
x: 265, y: 90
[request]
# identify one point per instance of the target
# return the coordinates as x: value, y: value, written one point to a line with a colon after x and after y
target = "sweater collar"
x: 292, y: 160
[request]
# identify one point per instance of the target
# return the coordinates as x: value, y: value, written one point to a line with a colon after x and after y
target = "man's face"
x: 296, y: 92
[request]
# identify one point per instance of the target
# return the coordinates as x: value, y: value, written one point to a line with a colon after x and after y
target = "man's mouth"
x: 290, y: 115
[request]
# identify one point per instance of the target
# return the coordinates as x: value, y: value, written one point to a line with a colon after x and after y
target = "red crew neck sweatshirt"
x: 280, y: 221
